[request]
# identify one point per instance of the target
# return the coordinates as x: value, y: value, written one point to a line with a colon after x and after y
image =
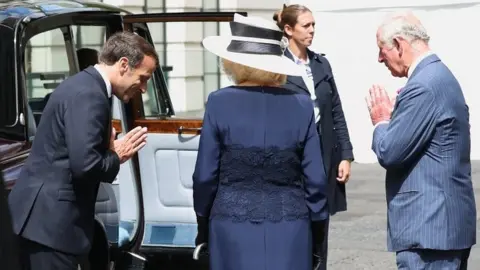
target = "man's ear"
x: 123, y: 64
x: 398, y: 44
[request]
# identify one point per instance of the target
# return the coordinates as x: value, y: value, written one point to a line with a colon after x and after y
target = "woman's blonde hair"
x: 241, y: 74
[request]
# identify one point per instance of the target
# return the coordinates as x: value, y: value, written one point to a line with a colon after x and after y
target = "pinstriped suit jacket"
x: 425, y: 149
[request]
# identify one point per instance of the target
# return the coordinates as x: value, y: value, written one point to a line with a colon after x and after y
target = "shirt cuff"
x: 380, y: 123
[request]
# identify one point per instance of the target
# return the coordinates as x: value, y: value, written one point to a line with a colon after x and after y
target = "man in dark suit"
x: 8, y: 245
x: 53, y: 201
x: 425, y: 146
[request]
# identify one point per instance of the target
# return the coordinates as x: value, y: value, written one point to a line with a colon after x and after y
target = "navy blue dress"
x: 259, y: 178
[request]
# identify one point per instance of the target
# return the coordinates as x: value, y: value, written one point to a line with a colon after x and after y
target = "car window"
x: 46, y: 66
x: 191, y: 73
x: 47, y: 63
x: 89, y: 36
x: 151, y: 100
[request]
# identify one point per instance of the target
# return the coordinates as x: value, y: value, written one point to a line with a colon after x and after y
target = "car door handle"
x: 182, y: 129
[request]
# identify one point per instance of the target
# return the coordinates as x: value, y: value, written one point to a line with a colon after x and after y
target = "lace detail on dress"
x: 258, y: 184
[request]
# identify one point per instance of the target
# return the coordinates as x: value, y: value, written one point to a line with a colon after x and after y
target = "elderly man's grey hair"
x: 404, y: 25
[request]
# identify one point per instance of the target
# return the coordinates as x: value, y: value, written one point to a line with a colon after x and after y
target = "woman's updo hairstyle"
x: 288, y: 15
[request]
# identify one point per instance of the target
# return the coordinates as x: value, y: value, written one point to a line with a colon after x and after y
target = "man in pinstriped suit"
x: 424, y: 145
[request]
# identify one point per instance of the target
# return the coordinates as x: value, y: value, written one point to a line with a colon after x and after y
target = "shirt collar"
x: 417, y: 61
x: 297, y: 60
x: 105, y: 79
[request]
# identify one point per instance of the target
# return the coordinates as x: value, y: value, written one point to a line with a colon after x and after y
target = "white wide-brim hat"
x: 257, y: 44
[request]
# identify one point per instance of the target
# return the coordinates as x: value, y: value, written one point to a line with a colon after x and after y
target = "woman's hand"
x: 202, y: 230
x: 343, y: 171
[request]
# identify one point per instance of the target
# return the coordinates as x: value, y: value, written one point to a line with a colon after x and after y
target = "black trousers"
x: 324, y: 252
x: 35, y: 256
x: 339, y: 206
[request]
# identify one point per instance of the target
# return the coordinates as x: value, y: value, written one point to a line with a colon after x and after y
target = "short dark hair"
x: 129, y: 45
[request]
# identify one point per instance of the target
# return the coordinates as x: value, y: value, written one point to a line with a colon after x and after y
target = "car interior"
x: 50, y: 81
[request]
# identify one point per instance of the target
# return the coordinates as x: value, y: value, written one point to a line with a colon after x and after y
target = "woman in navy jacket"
x: 259, y: 187
x: 298, y: 24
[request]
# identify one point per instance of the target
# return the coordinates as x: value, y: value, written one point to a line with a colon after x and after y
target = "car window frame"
x: 12, y: 131
x: 134, y: 22
x: 105, y: 18
x: 163, y: 96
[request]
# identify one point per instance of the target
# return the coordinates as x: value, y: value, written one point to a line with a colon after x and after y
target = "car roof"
x: 17, y: 10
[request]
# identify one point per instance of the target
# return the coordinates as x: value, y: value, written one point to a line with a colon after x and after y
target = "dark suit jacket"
x: 426, y: 151
x: 336, y: 145
x: 9, y: 258
x: 53, y: 200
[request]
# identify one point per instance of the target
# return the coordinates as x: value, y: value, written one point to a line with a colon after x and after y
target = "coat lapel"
x: 319, y: 74
x: 296, y: 80
x: 401, y: 92
x: 318, y: 70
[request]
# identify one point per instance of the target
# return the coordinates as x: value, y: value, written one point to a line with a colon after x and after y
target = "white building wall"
x: 346, y: 33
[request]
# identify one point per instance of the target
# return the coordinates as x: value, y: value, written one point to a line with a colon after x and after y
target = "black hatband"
x: 245, y: 30
x: 250, y: 47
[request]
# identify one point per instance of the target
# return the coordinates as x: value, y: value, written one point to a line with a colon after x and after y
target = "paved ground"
x: 358, y: 236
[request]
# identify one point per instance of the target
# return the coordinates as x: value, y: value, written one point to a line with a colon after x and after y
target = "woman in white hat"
x: 259, y: 183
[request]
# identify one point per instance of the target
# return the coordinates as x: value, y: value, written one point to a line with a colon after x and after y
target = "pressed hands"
x: 379, y: 104
x: 130, y: 144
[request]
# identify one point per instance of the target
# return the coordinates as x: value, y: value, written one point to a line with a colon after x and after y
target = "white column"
x: 185, y: 55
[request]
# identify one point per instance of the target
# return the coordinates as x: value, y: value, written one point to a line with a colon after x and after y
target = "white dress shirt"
x: 417, y: 61
x: 105, y: 79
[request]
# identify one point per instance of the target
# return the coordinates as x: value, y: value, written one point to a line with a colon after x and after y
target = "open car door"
x: 172, y: 110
